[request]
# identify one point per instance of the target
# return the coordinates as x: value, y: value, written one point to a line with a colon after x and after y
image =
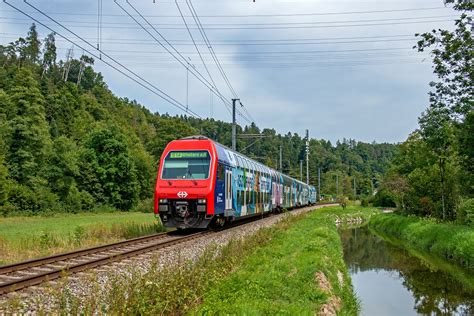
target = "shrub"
x: 384, y: 199
x: 465, y: 212
x: 145, y: 206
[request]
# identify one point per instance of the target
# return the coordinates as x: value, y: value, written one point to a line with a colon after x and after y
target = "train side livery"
x: 201, y: 183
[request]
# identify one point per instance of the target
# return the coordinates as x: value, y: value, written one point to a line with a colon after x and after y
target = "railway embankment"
x: 448, y: 241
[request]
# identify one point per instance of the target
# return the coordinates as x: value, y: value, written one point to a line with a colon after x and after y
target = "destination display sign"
x: 188, y: 154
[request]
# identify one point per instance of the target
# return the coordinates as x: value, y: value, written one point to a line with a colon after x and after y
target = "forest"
x: 68, y: 144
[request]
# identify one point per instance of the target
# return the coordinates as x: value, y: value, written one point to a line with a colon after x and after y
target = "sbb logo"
x: 182, y: 194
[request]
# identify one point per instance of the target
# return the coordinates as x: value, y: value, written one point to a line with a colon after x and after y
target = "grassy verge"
x: 294, y: 267
x: 299, y: 271
x: 451, y: 242
x: 23, y: 238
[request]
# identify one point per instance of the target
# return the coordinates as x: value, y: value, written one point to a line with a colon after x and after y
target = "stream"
x: 388, y: 280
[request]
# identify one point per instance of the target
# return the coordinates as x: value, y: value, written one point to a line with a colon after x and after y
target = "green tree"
x: 438, y: 133
x: 466, y: 154
x: 453, y: 59
x: 4, y: 135
x: 49, y: 53
x: 452, y: 97
x: 29, y: 143
x: 108, y: 171
x: 33, y: 45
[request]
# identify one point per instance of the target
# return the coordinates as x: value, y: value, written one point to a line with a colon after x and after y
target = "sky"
x: 342, y: 69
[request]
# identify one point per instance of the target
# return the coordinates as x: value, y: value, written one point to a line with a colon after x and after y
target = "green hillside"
x: 68, y: 144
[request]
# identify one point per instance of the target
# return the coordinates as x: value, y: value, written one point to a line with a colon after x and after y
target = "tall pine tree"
x: 30, y: 139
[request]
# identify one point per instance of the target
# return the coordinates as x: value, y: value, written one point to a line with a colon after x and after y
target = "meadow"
x: 23, y: 238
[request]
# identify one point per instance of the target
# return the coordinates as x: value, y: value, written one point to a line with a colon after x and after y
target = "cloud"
x: 371, y: 90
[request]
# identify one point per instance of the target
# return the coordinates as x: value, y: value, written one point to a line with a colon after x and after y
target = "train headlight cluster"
x: 163, y: 207
x: 201, y: 205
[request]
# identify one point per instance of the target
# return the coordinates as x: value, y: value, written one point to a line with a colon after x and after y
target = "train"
x: 203, y: 184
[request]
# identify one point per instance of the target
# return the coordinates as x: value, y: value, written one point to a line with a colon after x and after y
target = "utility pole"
x: 337, y: 185
x: 307, y: 156
x: 281, y: 158
x: 319, y: 183
x: 234, y: 127
x: 67, y: 65
x: 81, y: 71
x: 301, y: 170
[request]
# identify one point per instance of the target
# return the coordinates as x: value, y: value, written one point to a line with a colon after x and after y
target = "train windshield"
x: 192, y: 165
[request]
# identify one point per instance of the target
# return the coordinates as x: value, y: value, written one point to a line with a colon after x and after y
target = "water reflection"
x: 389, y: 281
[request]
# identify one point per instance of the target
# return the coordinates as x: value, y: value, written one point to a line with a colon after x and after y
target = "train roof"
x: 236, y: 159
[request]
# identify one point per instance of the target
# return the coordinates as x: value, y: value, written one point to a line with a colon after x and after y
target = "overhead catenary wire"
x: 216, y: 59
x: 195, y: 45
x: 220, y: 28
x: 209, y: 46
x: 197, y: 74
x: 157, y: 91
x: 182, y: 61
x: 261, y: 24
x: 263, y: 42
x: 272, y: 15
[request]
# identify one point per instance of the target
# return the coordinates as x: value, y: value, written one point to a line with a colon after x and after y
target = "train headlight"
x: 163, y: 201
x: 202, y: 201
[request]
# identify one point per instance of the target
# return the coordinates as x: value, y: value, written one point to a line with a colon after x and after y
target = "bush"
x: 384, y: 199
x: 465, y: 212
x: 145, y: 206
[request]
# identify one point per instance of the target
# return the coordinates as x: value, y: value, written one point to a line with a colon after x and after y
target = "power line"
x: 269, y: 27
x: 194, y: 43
x: 266, y: 42
x: 270, y: 15
x: 216, y: 59
x: 160, y: 93
x: 262, y: 24
x: 194, y: 71
x: 209, y: 46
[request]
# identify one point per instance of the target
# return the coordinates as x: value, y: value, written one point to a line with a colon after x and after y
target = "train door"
x: 228, y: 189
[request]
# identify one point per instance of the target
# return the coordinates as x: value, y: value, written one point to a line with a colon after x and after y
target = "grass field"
x: 23, y: 238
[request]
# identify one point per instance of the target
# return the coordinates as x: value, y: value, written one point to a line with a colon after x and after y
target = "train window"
x: 186, y: 165
x: 220, y: 172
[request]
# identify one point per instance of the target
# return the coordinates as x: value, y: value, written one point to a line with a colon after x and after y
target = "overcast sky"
x: 339, y: 68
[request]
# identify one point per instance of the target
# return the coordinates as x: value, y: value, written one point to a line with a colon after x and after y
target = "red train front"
x: 184, y: 192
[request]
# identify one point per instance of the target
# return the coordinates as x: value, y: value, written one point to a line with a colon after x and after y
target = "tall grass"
x: 46, y: 242
x: 449, y: 241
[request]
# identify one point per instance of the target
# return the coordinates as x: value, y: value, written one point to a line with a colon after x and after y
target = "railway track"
x: 29, y: 273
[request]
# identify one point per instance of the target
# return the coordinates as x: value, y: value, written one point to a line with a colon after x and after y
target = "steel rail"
x: 74, y: 254
x: 36, y: 279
